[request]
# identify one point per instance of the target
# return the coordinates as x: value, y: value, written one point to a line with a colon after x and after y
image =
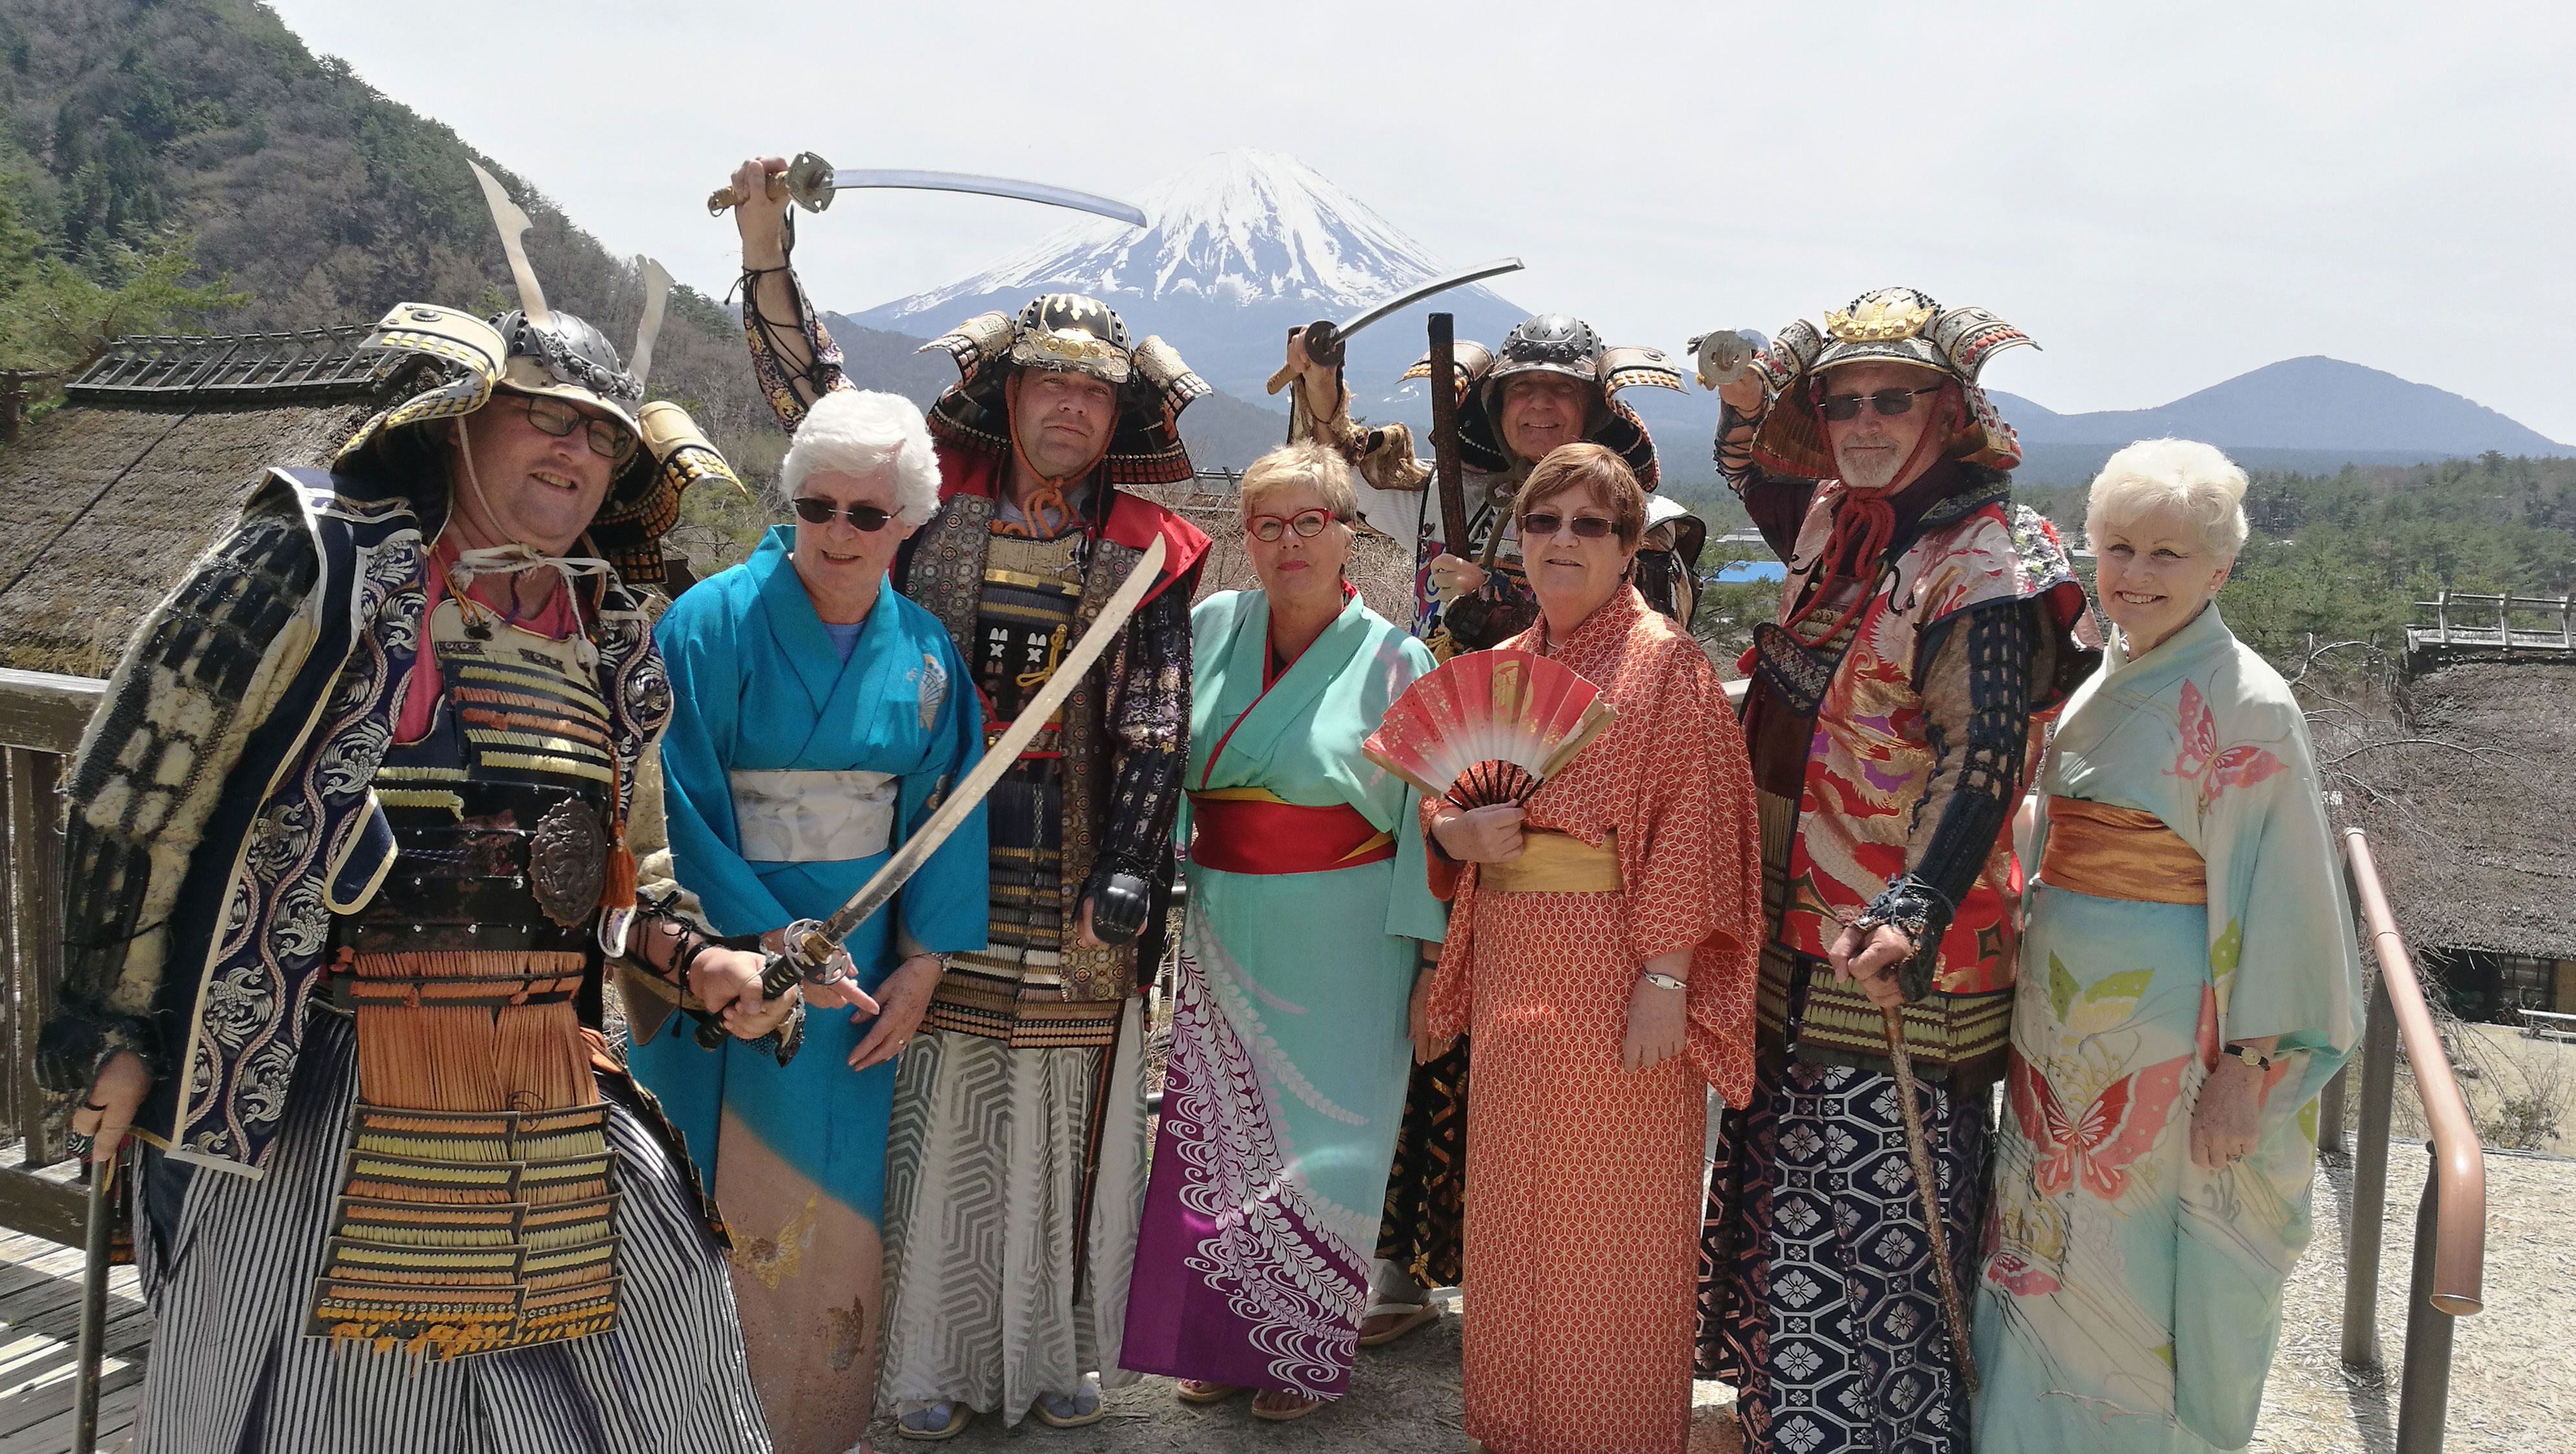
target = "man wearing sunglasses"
x: 1029, y: 1056
x: 1925, y: 625
x: 347, y: 857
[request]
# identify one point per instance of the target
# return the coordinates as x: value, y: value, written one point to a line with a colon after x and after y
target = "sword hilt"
x: 806, y: 181
x: 804, y: 950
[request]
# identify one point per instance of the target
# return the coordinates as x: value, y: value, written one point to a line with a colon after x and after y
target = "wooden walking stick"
x: 1909, y: 1106
x: 93, y: 1307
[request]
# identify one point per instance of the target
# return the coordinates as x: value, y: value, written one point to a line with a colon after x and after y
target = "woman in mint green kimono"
x: 1309, y: 903
x: 2189, y: 983
x: 819, y: 718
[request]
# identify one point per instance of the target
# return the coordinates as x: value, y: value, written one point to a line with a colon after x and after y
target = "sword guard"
x: 1323, y: 343
x: 806, y: 181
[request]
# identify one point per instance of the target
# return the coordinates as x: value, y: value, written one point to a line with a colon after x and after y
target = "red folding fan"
x: 1488, y: 727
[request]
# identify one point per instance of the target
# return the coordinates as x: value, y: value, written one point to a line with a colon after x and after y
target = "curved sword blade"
x: 1435, y: 287
x: 998, y: 758
x: 994, y: 187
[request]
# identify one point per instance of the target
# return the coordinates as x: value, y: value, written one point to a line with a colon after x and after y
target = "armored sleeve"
x: 1776, y: 503
x: 1976, y: 701
x: 791, y: 350
x: 198, y: 679
x: 1149, y: 717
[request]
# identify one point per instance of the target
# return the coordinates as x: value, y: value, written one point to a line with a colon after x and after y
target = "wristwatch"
x: 2254, y: 1059
x: 1665, y: 981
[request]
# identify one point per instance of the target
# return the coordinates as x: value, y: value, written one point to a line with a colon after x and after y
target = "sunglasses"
x: 608, y: 441
x: 1544, y: 524
x: 861, y: 517
x: 1307, y: 523
x: 1889, y: 402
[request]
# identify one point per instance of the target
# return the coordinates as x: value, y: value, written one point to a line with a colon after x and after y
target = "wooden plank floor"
x: 39, y: 1319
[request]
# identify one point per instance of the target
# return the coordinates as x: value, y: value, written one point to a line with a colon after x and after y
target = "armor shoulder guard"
x: 1630, y: 365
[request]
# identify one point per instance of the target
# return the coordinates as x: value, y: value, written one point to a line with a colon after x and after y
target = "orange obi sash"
x: 2120, y: 853
x: 1556, y: 863
x: 1252, y: 830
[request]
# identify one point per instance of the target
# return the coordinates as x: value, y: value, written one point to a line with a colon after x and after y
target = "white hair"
x: 861, y: 432
x: 2192, y: 478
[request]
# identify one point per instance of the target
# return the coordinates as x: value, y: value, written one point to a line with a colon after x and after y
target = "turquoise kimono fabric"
x: 758, y: 685
x: 2131, y: 1299
x: 1289, y: 1058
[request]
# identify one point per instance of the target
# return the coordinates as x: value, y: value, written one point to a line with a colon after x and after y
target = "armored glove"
x: 1121, y: 898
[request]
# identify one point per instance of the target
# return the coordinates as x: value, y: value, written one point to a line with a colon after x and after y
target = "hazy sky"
x: 2164, y: 195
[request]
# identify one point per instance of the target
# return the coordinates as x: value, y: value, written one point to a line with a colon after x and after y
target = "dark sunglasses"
x: 861, y: 517
x: 1307, y: 523
x: 608, y: 441
x: 1543, y: 525
x: 1890, y: 402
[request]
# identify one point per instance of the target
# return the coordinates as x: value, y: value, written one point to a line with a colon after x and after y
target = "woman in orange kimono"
x: 1600, y: 955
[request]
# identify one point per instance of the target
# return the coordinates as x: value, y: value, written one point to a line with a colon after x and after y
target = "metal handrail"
x: 2451, y: 1218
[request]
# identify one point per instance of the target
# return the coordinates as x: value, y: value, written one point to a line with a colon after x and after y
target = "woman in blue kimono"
x: 1309, y: 904
x: 2189, y: 983
x: 819, y: 719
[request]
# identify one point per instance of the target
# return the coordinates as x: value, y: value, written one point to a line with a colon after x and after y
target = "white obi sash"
x: 805, y: 816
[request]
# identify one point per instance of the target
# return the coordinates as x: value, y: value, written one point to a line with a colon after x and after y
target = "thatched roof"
x: 2473, y: 831
x: 105, y: 501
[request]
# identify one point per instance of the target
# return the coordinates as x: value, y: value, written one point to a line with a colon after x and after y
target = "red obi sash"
x: 1249, y: 830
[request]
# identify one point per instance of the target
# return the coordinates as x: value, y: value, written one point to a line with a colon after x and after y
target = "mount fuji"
x: 1245, y: 245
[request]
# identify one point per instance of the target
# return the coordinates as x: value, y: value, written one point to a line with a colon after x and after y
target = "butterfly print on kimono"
x: 2211, y: 770
x: 2097, y: 1147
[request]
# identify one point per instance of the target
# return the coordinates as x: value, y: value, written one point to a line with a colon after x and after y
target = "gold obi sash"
x: 2119, y: 853
x: 1556, y: 863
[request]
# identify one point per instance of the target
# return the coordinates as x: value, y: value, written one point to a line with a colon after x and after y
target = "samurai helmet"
x: 1071, y: 333
x: 1556, y: 343
x: 547, y: 353
x: 1894, y: 325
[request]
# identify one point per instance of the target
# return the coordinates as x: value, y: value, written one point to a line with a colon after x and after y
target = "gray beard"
x: 1866, y: 472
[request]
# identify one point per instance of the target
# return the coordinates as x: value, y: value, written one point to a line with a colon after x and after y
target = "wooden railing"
x: 41, y: 717
x: 2451, y: 1219
x: 2469, y: 623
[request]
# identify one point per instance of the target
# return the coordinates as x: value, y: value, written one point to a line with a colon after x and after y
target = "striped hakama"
x: 228, y: 1272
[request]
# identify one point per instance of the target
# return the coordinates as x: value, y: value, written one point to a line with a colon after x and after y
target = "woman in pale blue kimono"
x: 2189, y: 983
x: 819, y: 719
x: 1309, y: 904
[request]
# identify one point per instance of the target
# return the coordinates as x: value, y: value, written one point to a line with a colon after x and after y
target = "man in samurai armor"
x: 346, y: 856
x: 1015, y: 1177
x: 1927, y: 627
x: 1551, y: 383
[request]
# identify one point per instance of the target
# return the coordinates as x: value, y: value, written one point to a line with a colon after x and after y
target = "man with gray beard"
x: 1926, y: 622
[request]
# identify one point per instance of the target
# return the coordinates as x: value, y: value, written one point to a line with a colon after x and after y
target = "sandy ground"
x: 2512, y: 1386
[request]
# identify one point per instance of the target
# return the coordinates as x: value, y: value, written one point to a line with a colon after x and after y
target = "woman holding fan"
x: 1601, y: 955
x: 1308, y: 905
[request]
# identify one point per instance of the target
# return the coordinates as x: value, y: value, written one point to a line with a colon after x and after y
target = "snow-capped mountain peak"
x: 1243, y: 227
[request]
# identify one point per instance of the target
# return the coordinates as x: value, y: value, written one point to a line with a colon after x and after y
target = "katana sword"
x: 808, y: 944
x: 1324, y: 338
x: 811, y: 182
x: 90, y: 1349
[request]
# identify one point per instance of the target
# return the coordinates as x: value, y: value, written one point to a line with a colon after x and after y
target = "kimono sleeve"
x: 698, y: 640
x: 2282, y: 948
x: 1695, y: 867
x: 946, y: 905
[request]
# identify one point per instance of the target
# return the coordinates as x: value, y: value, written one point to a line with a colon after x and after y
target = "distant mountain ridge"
x: 2311, y: 403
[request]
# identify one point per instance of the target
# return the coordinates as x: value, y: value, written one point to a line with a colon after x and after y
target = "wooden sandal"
x: 1201, y: 1391
x: 1298, y: 1410
x: 1412, y: 1316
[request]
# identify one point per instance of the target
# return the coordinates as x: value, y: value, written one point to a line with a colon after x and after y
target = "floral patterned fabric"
x: 2131, y: 1299
x: 1583, y: 1222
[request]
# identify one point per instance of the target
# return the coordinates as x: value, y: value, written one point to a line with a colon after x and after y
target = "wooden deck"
x: 40, y: 1310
